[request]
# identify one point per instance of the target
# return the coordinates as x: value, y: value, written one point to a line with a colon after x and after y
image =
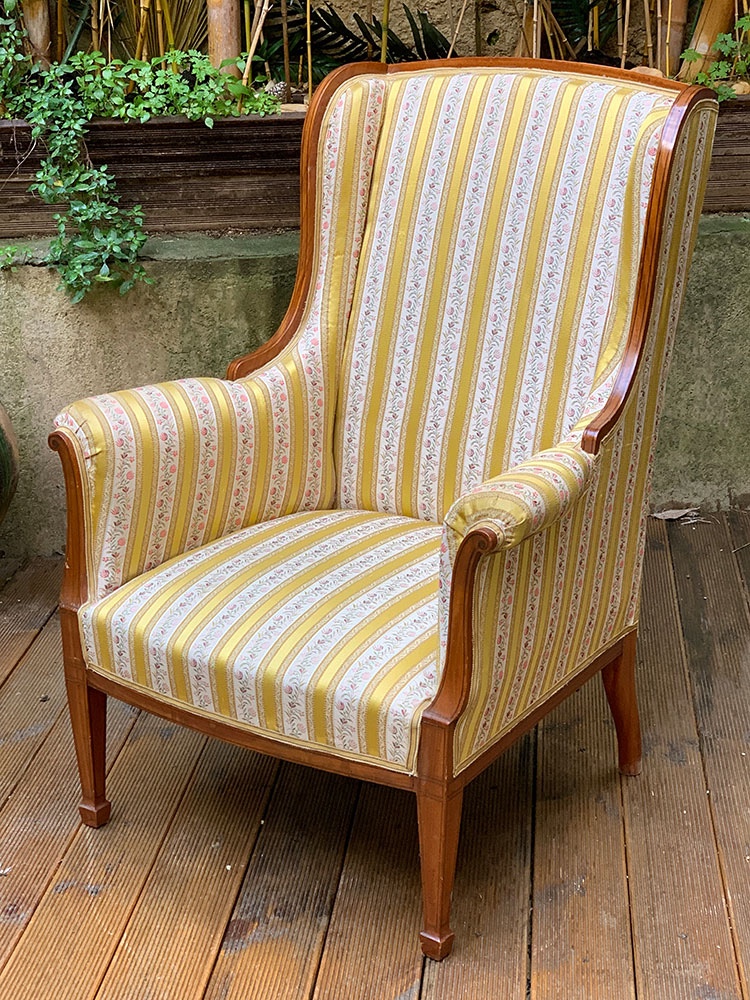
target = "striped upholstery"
x: 484, y: 311
x: 214, y: 456
x: 549, y: 603
x: 318, y: 627
x: 270, y: 550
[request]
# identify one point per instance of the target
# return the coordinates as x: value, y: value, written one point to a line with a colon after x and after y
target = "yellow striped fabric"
x: 496, y: 281
x: 527, y: 499
x: 548, y: 606
x: 318, y: 627
x: 171, y: 467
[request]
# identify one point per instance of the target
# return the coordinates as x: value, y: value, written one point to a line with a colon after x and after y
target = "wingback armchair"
x: 410, y: 524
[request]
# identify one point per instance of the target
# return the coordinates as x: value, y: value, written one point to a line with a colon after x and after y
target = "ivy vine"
x: 97, y: 239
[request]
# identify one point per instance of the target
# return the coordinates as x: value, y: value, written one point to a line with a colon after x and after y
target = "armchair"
x: 413, y: 522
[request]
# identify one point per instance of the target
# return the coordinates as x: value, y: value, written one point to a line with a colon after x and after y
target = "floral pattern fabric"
x: 318, y: 627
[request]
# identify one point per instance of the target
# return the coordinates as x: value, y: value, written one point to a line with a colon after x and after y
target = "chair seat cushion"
x: 316, y: 628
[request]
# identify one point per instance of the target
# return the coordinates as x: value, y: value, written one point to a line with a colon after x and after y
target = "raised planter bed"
x: 729, y: 180
x: 243, y: 174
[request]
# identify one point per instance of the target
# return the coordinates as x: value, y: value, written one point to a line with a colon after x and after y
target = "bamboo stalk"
x: 223, y: 32
x: 715, y: 17
x: 95, y: 38
x: 649, y: 38
x: 625, y: 29
x: 562, y: 38
x: 384, y: 34
x: 535, y: 27
x: 308, y: 23
x: 659, y: 36
x: 168, y: 23
x: 285, y: 44
x: 160, y: 30
x: 141, y: 40
x: 369, y: 21
x: 60, y: 30
x: 248, y: 24
x: 590, y: 32
x: 525, y: 44
x: 458, y: 28
x: 669, y: 39
x: 102, y: 23
x: 596, y: 27
x: 677, y: 32
x: 548, y: 32
x: 254, y: 44
x: 619, y: 30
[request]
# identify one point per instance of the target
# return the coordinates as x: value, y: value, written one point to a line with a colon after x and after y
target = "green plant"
x: 9, y: 257
x: 97, y: 238
x: 732, y: 67
x: 334, y: 42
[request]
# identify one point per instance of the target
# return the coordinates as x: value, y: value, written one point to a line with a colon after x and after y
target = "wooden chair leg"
x: 439, y: 823
x: 619, y: 684
x: 88, y: 716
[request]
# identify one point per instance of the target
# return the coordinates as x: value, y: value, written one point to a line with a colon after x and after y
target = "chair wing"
x: 564, y: 585
x: 406, y: 527
x: 168, y: 468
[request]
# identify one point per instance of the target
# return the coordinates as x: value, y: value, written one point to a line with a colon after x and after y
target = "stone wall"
x: 216, y: 298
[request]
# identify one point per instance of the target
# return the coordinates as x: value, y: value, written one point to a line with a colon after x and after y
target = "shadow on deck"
x: 224, y: 874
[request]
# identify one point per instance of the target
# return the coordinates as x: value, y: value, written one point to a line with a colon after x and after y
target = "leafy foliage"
x: 734, y: 64
x: 10, y: 256
x: 573, y: 18
x: 97, y: 239
x: 334, y: 42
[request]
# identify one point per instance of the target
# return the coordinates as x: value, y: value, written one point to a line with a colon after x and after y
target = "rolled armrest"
x: 527, y: 498
x: 167, y: 468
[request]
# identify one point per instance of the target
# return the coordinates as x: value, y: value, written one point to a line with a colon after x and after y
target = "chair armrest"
x: 166, y: 468
x: 526, y: 499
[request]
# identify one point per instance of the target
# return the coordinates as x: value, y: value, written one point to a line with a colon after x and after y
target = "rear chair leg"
x: 439, y: 816
x: 88, y: 716
x: 619, y: 684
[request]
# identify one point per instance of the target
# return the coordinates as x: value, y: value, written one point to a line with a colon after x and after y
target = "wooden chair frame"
x: 439, y: 793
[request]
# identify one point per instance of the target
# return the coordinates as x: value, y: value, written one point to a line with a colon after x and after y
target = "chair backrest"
x: 500, y: 212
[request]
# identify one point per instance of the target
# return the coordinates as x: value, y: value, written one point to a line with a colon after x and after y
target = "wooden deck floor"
x: 226, y: 875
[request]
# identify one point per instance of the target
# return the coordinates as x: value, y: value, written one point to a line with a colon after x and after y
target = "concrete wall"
x: 216, y: 298
x: 212, y: 300
x: 703, y: 454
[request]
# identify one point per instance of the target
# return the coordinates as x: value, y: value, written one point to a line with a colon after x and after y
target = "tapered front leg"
x: 439, y: 822
x: 88, y: 716
x: 619, y: 684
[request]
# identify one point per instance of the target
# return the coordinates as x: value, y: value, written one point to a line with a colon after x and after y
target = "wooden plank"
x: 244, y: 173
x: 580, y: 943
x: 241, y: 174
x: 681, y: 937
x: 169, y: 945
x: 728, y: 188
x: 372, y: 950
x: 26, y: 602
x: 274, y: 940
x: 96, y: 886
x: 30, y: 701
x: 739, y: 532
x: 716, y: 627
x: 490, y: 913
x: 39, y: 820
